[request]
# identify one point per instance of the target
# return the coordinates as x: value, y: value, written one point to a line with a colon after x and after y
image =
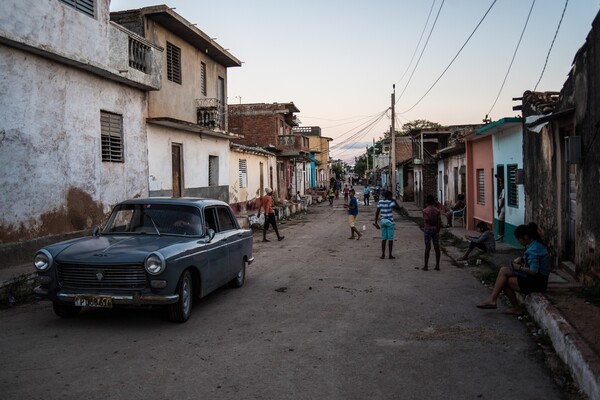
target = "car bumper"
x: 135, y: 299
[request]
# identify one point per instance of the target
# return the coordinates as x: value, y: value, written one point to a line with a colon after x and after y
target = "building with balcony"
x: 72, y: 115
x: 188, y: 137
x: 270, y: 126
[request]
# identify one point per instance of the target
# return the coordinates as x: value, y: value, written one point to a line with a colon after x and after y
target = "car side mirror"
x: 211, y: 234
x: 96, y: 231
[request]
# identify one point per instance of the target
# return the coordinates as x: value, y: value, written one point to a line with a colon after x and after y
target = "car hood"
x: 114, y: 249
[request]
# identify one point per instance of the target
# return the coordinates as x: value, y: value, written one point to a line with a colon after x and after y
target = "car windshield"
x: 155, y: 219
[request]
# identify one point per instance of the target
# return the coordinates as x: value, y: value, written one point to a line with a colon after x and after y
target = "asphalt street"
x: 320, y: 317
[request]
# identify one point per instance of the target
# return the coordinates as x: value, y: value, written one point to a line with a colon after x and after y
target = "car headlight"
x: 42, y: 260
x: 155, y: 264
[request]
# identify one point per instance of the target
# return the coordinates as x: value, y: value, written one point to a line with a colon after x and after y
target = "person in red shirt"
x: 433, y: 223
x: 267, y: 203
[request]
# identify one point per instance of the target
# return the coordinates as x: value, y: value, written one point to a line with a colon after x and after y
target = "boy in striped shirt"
x: 385, y: 209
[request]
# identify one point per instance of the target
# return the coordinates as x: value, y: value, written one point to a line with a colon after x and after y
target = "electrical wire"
x: 511, y: 61
x: 551, y: 45
x: 454, y: 59
x: 418, y: 43
x: 422, y: 51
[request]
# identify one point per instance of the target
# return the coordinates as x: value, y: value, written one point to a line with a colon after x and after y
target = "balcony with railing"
x: 293, y: 142
x: 212, y: 114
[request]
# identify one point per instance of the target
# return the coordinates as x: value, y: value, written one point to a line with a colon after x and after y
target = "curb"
x: 576, y: 354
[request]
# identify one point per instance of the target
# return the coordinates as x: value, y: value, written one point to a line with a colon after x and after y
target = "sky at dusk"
x: 338, y: 59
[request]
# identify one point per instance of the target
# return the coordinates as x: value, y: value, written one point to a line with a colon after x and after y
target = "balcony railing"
x: 138, y: 55
x: 293, y: 142
x: 212, y: 113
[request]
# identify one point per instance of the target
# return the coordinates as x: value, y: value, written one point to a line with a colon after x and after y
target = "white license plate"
x: 93, y: 301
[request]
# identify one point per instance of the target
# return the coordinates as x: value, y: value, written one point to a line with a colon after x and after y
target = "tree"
x: 418, y: 124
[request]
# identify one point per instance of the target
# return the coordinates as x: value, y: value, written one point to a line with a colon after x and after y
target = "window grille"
x: 173, y: 63
x: 213, y: 171
x: 513, y: 192
x: 243, y: 171
x: 203, y: 78
x: 481, y: 186
x: 84, y: 6
x: 111, y: 134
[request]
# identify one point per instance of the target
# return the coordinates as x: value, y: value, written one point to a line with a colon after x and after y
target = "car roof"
x: 184, y: 201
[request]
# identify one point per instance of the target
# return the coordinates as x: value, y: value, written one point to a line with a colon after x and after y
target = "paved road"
x: 320, y: 317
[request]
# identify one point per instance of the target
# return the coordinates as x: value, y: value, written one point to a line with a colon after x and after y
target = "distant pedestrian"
x: 433, y: 223
x: 367, y: 195
x: 346, y: 192
x: 385, y: 210
x: 267, y: 204
x: 330, y: 196
x: 352, y: 207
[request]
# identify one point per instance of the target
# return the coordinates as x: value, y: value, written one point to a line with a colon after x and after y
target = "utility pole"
x: 393, y: 151
x: 367, y: 165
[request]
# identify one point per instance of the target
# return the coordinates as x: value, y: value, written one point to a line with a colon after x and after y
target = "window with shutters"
x: 173, y: 63
x: 213, y: 171
x: 111, y: 134
x: 203, y: 78
x: 243, y: 170
x: 481, y: 186
x: 84, y: 6
x: 512, y: 198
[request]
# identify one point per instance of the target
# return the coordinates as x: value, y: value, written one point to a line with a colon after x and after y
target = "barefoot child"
x: 433, y: 223
x: 352, y: 207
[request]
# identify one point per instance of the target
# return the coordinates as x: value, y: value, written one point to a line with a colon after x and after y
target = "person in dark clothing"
x: 267, y: 204
x: 485, y: 241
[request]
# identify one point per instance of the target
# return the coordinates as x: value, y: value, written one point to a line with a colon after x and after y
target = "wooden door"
x: 176, y: 150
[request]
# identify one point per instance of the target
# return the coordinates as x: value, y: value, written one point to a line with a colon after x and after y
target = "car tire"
x: 182, y: 309
x: 240, y: 278
x: 65, y: 310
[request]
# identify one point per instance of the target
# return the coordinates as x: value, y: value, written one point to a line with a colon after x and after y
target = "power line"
x: 422, y: 51
x: 511, y: 61
x: 418, y: 44
x: 451, y: 62
x: 551, y: 45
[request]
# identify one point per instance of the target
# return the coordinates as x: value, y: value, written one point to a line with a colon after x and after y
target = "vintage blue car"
x: 154, y: 251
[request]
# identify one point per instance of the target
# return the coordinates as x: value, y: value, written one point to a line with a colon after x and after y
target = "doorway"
x: 177, y: 168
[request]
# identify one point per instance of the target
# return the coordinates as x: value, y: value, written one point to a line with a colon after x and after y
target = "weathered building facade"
x: 188, y: 139
x: 480, y: 196
x: 270, y: 126
x: 561, y: 162
x: 425, y: 145
x: 319, y: 149
x: 72, y: 116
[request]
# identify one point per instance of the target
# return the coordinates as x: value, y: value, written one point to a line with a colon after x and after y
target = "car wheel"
x: 64, y: 310
x: 181, y: 310
x: 239, y: 279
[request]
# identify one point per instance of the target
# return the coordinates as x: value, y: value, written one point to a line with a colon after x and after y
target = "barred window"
x: 173, y: 63
x: 481, y: 186
x: 243, y: 171
x: 84, y: 6
x: 213, y: 171
x: 512, y: 197
x: 203, y: 78
x: 111, y: 134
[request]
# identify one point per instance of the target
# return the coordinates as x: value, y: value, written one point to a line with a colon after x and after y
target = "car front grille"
x: 102, y: 276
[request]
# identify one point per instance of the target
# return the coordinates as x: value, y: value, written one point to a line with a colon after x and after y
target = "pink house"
x: 480, y: 180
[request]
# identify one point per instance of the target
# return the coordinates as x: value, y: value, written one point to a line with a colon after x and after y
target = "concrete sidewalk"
x: 582, y: 361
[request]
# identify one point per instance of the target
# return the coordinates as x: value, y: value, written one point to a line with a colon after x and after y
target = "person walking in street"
x: 527, y: 274
x: 330, y: 195
x: 433, y: 223
x: 367, y: 195
x: 267, y: 204
x: 385, y: 209
x: 352, y: 207
x: 346, y: 193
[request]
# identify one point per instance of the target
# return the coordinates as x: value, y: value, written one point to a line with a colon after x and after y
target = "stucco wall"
x: 450, y: 193
x: 508, y: 150
x: 59, y: 28
x: 53, y: 180
x: 175, y: 100
x: 480, y: 156
x: 196, y: 151
x: 253, y: 191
